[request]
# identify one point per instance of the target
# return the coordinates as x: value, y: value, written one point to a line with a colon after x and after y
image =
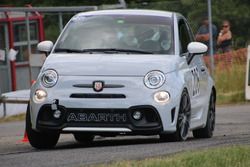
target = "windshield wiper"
x: 116, y: 50
x: 67, y: 50
x: 103, y: 50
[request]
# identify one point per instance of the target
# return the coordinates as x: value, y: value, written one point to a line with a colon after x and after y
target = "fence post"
x: 211, y: 51
x: 2, y: 100
x: 60, y: 21
x: 27, y: 24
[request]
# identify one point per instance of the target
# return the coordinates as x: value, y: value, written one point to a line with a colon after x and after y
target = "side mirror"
x: 197, y: 48
x: 45, y: 47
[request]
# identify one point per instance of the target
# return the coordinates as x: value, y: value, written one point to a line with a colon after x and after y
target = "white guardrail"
x: 247, y: 90
x: 13, y: 103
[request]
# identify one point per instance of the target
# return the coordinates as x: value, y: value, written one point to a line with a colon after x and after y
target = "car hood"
x: 109, y: 64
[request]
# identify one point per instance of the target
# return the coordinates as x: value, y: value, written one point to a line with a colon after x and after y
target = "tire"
x: 83, y: 138
x: 207, y: 131
x: 183, y: 121
x: 40, y: 140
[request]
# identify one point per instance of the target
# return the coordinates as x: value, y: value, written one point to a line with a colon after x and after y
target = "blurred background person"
x: 224, y: 40
x: 202, y: 34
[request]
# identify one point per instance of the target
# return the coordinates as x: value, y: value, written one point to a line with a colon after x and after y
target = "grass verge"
x: 232, y: 156
x: 230, y: 84
x: 19, y: 117
x: 230, y: 73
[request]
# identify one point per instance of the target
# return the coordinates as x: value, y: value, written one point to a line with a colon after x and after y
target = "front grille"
x: 98, y: 116
x: 150, y: 117
x: 97, y: 96
x: 104, y: 86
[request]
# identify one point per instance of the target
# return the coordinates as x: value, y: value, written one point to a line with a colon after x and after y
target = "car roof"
x: 128, y: 12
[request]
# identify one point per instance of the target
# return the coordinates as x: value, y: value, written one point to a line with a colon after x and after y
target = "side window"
x: 184, y: 36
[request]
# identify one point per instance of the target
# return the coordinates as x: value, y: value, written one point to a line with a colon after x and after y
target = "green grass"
x: 229, y: 76
x: 19, y: 117
x: 233, y: 156
x: 230, y: 84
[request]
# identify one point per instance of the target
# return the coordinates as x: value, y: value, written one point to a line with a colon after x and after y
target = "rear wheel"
x: 83, y: 138
x: 183, y: 120
x: 40, y: 140
x: 207, y: 131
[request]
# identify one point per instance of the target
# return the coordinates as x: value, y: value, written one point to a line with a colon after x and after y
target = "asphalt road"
x: 232, y: 127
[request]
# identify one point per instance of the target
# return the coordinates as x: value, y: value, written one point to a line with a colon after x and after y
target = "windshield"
x: 132, y: 33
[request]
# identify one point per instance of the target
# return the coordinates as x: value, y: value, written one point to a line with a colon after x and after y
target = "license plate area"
x: 98, y: 116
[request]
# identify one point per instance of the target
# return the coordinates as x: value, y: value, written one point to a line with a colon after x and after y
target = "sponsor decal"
x: 98, y: 86
x: 96, y: 117
x: 195, y: 81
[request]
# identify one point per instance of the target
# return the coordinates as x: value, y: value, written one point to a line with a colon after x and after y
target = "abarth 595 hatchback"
x: 122, y: 72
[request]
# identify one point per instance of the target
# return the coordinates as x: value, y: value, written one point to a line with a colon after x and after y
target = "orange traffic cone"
x: 25, y: 138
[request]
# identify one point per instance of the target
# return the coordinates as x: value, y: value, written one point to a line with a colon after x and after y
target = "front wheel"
x: 40, y: 140
x: 207, y: 131
x: 183, y: 121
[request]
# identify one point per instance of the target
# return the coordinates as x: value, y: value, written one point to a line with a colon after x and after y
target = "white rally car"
x: 122, y: 72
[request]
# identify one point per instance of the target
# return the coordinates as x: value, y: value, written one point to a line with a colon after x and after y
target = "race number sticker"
x: 195, y: 81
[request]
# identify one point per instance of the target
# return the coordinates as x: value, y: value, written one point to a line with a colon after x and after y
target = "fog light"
x: 40, y: 96
x: 161, y: 97
x: 57, y: 114
x: 137, y: 115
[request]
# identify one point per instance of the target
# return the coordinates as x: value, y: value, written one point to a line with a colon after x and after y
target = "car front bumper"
x: 79, y: 102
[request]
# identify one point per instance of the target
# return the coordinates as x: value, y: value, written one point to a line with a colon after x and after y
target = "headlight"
x: 154, y: 79
x: 40, y: 96
x: 161, y: 97
x: 49, y: 78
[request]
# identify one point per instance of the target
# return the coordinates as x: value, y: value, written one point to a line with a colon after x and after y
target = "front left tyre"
x: 40, y: 140
x: 183, y: 120
x: 207, y: 131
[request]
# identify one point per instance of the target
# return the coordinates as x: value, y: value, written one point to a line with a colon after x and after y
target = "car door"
x: 202, y: 71
x: 197, y: 72
x: 203, y: 82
